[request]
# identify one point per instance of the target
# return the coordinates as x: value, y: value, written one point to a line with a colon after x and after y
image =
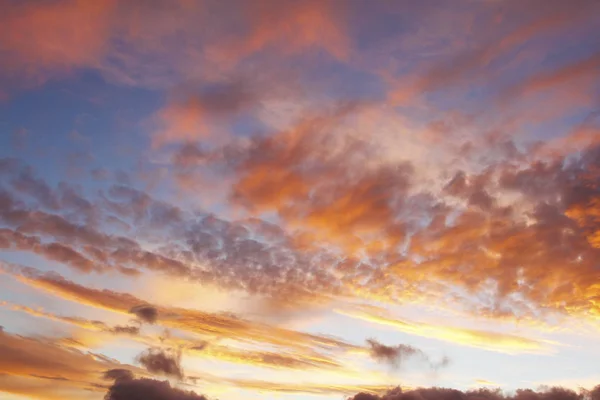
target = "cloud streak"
x: 494, y: 341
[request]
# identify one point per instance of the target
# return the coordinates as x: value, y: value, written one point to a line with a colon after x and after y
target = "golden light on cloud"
x: 488, y: 340
x: 485, y: 382
x: 220, y: 192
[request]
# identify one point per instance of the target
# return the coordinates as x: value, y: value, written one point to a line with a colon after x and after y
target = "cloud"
x: 145, y: 313
x: 212, y: 324
x: 41, y: 367
x: 580, y: 71
x: 189, y: 117
x: 485, y: 382
x: 130, y: 330
x: 10, y: 239
x: 354, y: 221
x: 118, y: 374
x: 392, y: 355
x: 307, y: 388
x: 489, y: 340
x: 39, y: 312
x: 61, y: 38
x: 52, y: 39
x: 309, y: 25
x: 298, y: 360
x: 290, y: 359
x: 438, y: 393
x: 150, y: 389
x: 24, y: 356
x: 327, y: 191
x: 498, y: 36
x: 48, y: 389
x: 397, y: 355
x: 159, y: 361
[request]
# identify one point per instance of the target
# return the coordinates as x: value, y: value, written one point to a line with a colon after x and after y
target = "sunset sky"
x: 297, y: 199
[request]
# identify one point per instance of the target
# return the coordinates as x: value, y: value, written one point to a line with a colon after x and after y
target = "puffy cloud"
x: 159, y: 361
x: 326, y: 187
x: 145, y: 313
x: 397, y: 355
x: 150, y: 389
x: 10, y: 239
x: 355, y: 223
x: 389, y: 354
x: 118, y: 374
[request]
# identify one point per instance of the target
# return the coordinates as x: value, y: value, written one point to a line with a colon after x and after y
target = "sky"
x: 298, y: 199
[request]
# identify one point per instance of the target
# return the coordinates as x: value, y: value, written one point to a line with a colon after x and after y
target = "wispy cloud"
x: 489, y: 340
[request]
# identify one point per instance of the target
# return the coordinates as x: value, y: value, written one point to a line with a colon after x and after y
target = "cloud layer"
x: 299, y: 197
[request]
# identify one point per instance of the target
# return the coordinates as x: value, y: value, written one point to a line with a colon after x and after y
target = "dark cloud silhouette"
x: 162, y: 362
x: 392, y: 355
x: 130, y: 330
x: 118, y: 374
x: 145, y: 313
x: 435, y: 393
x: 148, y: 389
x: 128, y: 388
x: 396, y: 355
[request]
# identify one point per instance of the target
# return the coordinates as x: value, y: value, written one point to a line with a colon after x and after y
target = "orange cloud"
x: 485, y: 382
x: 198, y: 115
x: 43, y: 369
x: 582, y: 72
x: 208, y: 324
x: 289, y: 360
x: 48, y: 388
x: 306, y: 388
x: 488, y: 340
x: 314, y: 180
x: 285, y: 360
x: 77, y: 321
x: 133, y: 43
x: 587, y: 216
x: 509, y: 30
x: 46, y: 39
x: 290, y: 28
